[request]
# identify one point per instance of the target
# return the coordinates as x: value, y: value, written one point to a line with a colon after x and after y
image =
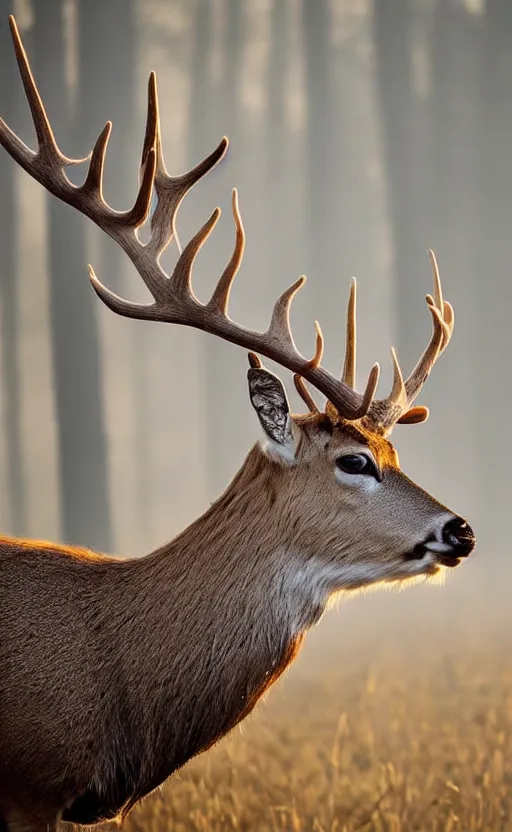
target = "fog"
x: 361, y: 134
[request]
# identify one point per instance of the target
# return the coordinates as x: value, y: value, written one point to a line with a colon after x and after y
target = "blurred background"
x: 362, y: 133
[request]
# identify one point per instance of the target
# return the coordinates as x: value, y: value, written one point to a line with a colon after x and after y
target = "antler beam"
x: 174, y: 299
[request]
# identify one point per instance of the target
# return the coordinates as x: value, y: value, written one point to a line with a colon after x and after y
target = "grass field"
x: 415, y: 737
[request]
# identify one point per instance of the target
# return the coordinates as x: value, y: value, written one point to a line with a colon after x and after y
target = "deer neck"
x: 215, y: 622
x: 236, y: 563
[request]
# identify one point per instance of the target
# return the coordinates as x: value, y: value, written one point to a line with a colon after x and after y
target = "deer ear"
x: 268, y: 397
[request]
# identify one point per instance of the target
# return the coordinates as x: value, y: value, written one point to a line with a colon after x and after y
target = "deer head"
x: 353, y: 518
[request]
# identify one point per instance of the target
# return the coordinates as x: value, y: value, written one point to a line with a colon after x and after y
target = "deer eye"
x: 357, y: 464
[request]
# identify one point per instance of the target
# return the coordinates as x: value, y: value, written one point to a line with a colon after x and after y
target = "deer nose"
x: 459, y: 536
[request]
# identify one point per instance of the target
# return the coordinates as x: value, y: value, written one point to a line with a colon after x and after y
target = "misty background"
x: 362, y: 133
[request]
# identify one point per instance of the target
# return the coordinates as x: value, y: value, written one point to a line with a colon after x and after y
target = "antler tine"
x: 397, y: 407
x: 279, y: 330
x: 138, y: 213
x: 152, y: 136
x: 369, y: 392
x: 319, y: 346
x: 48, y: 151
x: 445, y: 308
x: 300, y: 384
x: 94, y: 179
x: 220, y: 298
x: 180, y: 281
x: 438, y: 289
x: 138, y: 311
x: 349, y: 366
x: 302, y: 390
x: 46, y: 165
x: 398, y: 395
x: 170, y: 190
x: 422, y: 370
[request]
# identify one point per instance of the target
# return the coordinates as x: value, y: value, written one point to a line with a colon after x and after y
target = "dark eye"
x: 357, y: 464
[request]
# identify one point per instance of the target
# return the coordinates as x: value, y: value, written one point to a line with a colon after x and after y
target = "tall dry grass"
x: 417, y: 740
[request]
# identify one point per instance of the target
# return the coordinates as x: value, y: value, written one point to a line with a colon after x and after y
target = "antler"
x: 385, y: 413
x: 174, y: 299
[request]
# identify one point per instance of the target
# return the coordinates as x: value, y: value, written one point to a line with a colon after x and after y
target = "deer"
x: 114, y: 672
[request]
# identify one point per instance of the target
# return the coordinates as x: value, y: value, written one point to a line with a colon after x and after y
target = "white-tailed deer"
x: 114, y: 673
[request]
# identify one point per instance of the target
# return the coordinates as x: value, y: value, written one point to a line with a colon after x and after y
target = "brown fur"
x: 113, y: 673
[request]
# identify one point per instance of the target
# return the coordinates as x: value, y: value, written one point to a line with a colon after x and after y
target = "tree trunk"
x: 8, y: 288
x: 278, y: 186
x: 493, y: 334
x: 404, y: 161
x: 452, y: 196
x: 211, y: 115
x: 321, y: 139
x: 107, y: 92
x: 77, y: 371
x: 339, y: 198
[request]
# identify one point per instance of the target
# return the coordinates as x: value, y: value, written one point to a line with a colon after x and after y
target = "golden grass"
x: 420, y: 741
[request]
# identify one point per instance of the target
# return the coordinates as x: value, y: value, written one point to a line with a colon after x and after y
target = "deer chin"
x: 322, y: 580
x: 433, y: 557
x: 409, y: 571
x: 396, y: 577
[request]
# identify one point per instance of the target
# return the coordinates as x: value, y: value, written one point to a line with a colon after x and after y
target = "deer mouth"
x: 421, y: 551
x: 449, y: 560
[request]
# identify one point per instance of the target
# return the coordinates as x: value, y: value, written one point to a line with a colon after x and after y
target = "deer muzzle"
x: 456, y: 541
